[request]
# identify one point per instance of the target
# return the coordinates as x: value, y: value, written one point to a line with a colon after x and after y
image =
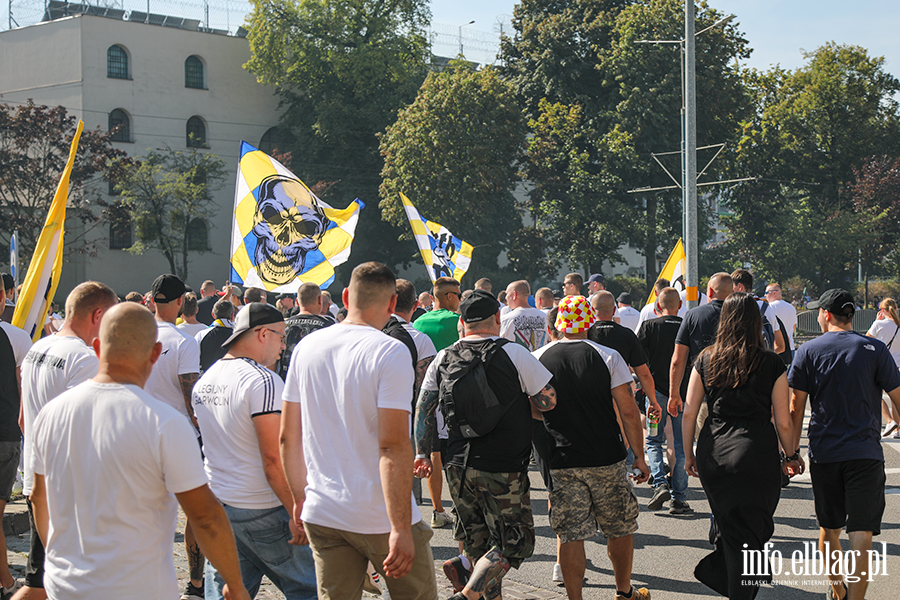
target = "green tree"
x: 622, y: 100
x: 164, y: 195
x: 811, y: 128
x: 342, y: 71
x: 34, y: 147
x: 453, y: 152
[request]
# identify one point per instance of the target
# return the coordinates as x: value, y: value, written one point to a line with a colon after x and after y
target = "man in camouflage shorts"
x: 590, y: 488
x: 487, y: 475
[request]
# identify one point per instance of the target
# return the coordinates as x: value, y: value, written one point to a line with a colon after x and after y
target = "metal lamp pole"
x: 460, y: 37
x: 689, y: 143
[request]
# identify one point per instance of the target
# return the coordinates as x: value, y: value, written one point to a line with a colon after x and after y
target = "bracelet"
x: 422, y: 456
x: 794, y: 457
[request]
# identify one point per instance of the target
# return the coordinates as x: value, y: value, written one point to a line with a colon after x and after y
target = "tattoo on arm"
x: 196, y: 564
x: 425, y: 421
x: 421, y: 367
x: 187, y: 387
x: 545, y: 399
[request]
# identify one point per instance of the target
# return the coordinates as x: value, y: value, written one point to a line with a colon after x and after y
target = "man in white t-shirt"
x: 14, y: 345
x: 783, y: 310
x: 238, y: 406
x: 108, y: 518
x: 172, y: 381
x: 628, y: 316
x: 522, y: 324
x: 349, y: 465
x: 53, y: 365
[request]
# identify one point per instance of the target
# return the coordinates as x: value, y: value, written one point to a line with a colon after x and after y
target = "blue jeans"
x: 655, y: 452
x: 262, y: 537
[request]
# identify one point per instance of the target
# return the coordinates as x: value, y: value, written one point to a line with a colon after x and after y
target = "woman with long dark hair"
x: 737, y: 458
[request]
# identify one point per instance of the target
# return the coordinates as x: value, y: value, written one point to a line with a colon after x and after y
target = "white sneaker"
x: 7, y: 592
x: 557, y: 574
x: 439, y: 519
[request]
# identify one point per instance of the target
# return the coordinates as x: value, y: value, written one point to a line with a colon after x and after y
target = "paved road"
x: 666, y: 548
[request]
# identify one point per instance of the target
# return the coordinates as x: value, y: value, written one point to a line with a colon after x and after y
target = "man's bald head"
x: 604, y: 305
x: 127, y: 335
x: 720, y: 286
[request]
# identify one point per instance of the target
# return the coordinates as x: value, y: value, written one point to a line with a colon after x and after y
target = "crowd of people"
x: 290, y: 432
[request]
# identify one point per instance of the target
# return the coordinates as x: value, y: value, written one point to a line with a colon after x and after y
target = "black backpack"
x: 768, y: 329
x: 395, y: 329
x: 464, y: 395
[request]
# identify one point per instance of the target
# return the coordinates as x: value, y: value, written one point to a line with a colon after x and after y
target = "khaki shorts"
x: 586, y: 498
x: 341, y: 558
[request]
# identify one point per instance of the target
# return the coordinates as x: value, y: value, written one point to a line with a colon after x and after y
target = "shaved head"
x: 720, y: 286
x: 127, y: 334
x: 604, y: 305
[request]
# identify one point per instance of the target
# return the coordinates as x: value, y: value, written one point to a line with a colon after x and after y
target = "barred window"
x: 120, y: 234
x: 119, y: 118
x: 197, y: 236
x: 117, y: 63
x: 193, y: 73
x: 196, y: 133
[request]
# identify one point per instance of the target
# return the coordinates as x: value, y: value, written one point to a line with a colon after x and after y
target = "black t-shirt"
x: 417, y: 313
x: 657, y: 338
x: 204, y: 309
x: 507, y: 448
x: 295, y: 329
x: 619, y: 338
x: 699, y: 328
x: 750, y: 402
x: 583, y: 424
x: 9, y: 392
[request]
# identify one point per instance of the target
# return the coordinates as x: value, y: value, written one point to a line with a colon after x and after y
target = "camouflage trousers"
x: 493, y: 512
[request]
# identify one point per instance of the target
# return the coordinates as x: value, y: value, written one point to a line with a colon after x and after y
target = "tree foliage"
x: 601, y: 103
x: 342, y: 70
x: 34, y: 147
x: 454, y: 152
x: 811, y: 130
x: 161, y: 195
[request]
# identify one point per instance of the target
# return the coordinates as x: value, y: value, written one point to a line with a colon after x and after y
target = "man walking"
x: 307, y: 320
x: 657, y: 337
x: 440, y: 322
x: 53, y: 365
x: 108, y: 518
x: 587, y: 463
x: 523, y: 325
x: 208, y: 298
x: 346, y: 451
x: 488, y: 474
x: 172, y: 380
x: 788, y: 315
x: 842, y: 373
x: 238, y: 405
x: 14, y: 346
x: 210, y: 340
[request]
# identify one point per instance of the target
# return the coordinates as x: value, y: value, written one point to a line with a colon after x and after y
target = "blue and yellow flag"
x: 445, y: 255
x: 282, y: 235
x: 45, y: 268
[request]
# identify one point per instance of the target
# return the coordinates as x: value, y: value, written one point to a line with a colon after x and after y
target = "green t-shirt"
x: 440, y: 326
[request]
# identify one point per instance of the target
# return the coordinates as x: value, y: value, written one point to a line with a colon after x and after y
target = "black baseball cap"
x: 624, y: 298
x: 167, y: 288
x: 836, y: 301
x: 8, y: 281
x: 478, y: 306
x: 252, y: 316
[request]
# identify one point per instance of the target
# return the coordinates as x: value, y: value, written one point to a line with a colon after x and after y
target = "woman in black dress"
x: 737, y: 459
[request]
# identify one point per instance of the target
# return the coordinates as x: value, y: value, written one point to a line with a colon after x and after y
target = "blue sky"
x: 776, y: 29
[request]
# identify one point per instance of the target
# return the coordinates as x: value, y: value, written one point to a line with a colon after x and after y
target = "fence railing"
x: 808, y: 325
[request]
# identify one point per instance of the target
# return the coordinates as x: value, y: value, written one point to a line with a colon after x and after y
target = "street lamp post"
x: 689, y: 148
x: 460, y: 36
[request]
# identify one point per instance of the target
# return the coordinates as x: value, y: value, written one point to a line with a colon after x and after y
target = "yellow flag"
x: 674, y: 271
x: 45, y: 268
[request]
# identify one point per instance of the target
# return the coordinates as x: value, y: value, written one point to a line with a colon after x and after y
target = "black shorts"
x: 849, y: 493
x: 439, y: 445
x: 34, y: 568
x: 10, y: 452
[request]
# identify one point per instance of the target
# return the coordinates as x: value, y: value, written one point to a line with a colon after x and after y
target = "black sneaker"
x: 456, y: 573
x: 680, y: 507
x: 192, y: 592
x: 660, y: 495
